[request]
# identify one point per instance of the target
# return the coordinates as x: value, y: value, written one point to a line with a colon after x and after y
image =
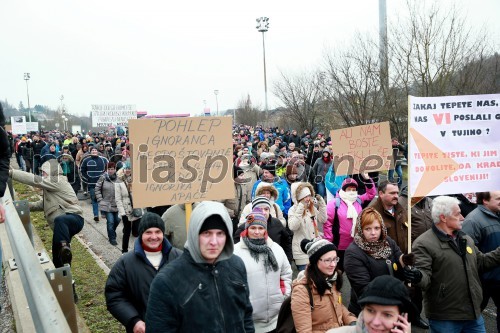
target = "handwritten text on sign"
x: 454, y: 144
x: 108, y: 115
x: 179, y: 160
x: 361, y: 149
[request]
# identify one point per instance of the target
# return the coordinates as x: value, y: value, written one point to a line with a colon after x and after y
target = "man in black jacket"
x: 127, y: 287
x: 206, y: 289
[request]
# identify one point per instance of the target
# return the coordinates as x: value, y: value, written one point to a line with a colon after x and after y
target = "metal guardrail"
x: 44, y: 307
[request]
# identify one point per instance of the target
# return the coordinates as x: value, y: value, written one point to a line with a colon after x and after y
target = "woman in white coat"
x: 304, y: 219
x: 124, y: 202
x: 268, y: 271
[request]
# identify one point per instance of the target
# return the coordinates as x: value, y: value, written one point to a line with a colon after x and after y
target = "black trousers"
x: 128, y: 228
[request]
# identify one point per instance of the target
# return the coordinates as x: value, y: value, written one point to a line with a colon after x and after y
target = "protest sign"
x: 180, y: 160
x: 364, y: 148
x: 32, y: 126
x: 454, y: 144
x: 18, y: 124
x: 107, y: 115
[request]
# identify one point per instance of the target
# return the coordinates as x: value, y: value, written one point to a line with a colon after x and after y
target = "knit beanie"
x: 316, y: 248
x: 256, y: 217
x: 261, y: 201
x: 214, y: 222
x: 349, y: 182
x: 150, y: 220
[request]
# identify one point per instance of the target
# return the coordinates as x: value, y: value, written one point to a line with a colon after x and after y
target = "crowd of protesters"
x: 290, y: 210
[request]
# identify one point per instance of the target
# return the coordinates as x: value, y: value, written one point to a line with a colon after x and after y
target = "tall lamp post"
x: 263, y: 26
x: 61, y: 98
x: 216, y: 92
x: 26, y: 78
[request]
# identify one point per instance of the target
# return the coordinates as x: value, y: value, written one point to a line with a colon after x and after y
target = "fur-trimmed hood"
x: 263, y: 186
x: 297, y: 187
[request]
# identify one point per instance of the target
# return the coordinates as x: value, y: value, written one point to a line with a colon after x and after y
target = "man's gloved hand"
x: 408, y: 259
x: 412, y: 274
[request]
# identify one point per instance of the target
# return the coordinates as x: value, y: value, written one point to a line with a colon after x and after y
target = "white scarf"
x: 349, y: 198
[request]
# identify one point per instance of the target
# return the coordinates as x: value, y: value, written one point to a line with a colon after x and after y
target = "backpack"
x: 336, y: 223
x: 285, y: 319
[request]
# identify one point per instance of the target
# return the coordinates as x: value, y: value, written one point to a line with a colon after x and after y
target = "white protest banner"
x: 18, y: 124
x: 362, y: 148
x: 181, y: 160
x: 454, y: 144
x: 107, y: 115
x: 32, y: 126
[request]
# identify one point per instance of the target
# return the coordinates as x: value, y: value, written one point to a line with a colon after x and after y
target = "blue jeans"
x: 301, y: 267
x: 93, y: 199
x: 112, y: 221
x: 457, y: 326
x: 65, y: 227
x: 399, y: 171
x: 321, y: 188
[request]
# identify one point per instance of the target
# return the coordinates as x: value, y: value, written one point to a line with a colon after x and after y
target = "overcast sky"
x: 170, y: 56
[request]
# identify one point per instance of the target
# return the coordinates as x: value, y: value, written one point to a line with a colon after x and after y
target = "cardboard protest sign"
x: 107, y: 115
x: 454, y: 144
x: 364, y: 148
x: 180, y: 160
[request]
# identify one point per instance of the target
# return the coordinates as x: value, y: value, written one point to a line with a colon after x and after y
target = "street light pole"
x: 216, y: 92
x: 26, y: 78
x: 263, y: 26
x: 61, y: 98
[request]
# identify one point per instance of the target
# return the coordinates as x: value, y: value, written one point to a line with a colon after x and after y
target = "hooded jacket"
x: 345, y: 224
x: 276, y: 211
x: 301, y: 221
x: 58, y: 195
x: 192, y: 295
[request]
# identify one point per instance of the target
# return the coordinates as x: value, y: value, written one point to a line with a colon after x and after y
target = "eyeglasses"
x: 331, y: 260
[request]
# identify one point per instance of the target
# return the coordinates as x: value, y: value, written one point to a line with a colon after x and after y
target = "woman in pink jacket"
x: 342, y: 211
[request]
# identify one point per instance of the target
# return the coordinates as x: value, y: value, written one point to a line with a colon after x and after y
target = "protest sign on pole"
x: 364, y: 148
x: 181, y: 160
x: 107, y: 115
x: 18, y: 124
x: 454, y: 144
x: 32, y: 126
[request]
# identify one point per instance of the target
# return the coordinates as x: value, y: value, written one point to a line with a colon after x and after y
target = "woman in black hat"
x: 321, y: 282
x: 386, y: 308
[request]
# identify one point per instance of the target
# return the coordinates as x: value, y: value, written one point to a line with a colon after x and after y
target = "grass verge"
x: 89, y: 277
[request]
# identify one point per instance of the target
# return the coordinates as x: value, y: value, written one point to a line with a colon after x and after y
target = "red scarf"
x: 148, y: 249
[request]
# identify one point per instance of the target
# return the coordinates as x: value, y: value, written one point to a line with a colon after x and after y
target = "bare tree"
x: 300, y: 96
x: 352, y: 84
x: 436, y: 53
x: 247, y: 114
